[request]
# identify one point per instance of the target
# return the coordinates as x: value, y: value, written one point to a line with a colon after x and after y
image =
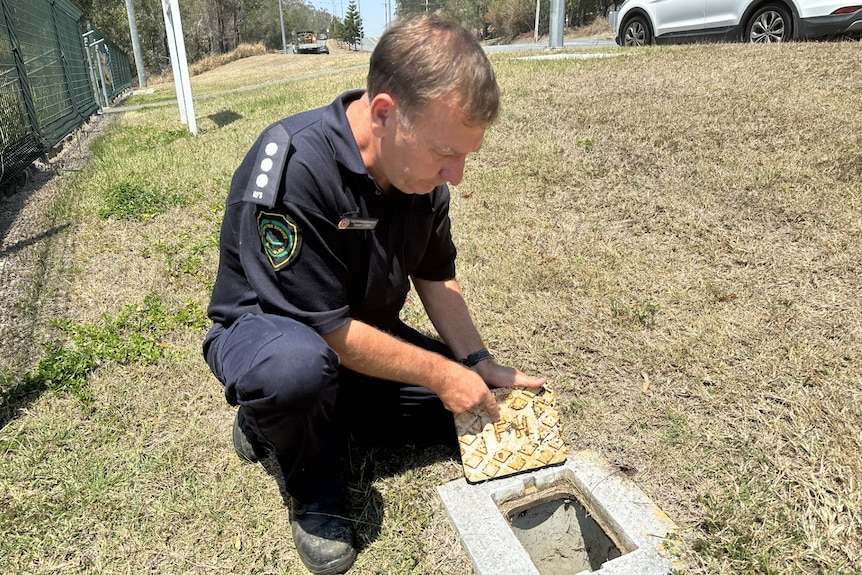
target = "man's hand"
x: 464, y: 389
x: 500, y: 376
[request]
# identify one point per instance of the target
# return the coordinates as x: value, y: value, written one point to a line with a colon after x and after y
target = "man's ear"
x: 382, y: 112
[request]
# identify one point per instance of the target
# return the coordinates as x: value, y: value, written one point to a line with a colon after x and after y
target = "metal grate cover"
x: 527, y: 437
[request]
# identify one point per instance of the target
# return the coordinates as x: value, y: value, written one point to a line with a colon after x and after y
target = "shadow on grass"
x: 16, y: 192
x: 11, y: 206
x: 367, y: 521
x: 17, y: 397
x: 363, y: 466
x: 18, y: 246
x: 225, y: 117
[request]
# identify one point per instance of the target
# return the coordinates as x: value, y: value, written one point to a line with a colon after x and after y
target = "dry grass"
x: 598, y: 28
x: 271, y: 69
x: 211, y: 63
x: 689, y: 213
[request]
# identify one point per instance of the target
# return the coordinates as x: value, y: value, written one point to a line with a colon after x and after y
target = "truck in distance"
x: 311, y: 43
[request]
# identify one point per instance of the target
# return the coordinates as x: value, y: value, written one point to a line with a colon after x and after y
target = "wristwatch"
x: 474, y: 358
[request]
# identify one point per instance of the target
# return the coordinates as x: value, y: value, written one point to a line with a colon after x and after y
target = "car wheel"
x: 636, y: 32
x: 770, y: 23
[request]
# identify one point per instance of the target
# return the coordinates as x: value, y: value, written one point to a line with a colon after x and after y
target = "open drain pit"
x: 558, y: 533
x: 576, y: 518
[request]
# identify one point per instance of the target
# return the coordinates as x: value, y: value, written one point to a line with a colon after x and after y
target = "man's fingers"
x: 500, y: 376
x: 527, y: 381
x: 491, y: 406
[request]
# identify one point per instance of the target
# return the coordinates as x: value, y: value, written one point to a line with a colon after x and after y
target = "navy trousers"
x: 304, y: 405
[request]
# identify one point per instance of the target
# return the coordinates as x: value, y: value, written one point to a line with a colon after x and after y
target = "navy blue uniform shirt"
x: 312, y: 256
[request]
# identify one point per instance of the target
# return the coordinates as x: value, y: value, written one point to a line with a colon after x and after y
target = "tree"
x: 415, y: 7
x: 210, y: 26
x: 352, y: 30
x: 110, y: 17
x: 336, y: 28
x: 509, y: 18
x: 583, y: 12
x: 470, y: 13
x: 261, y: 24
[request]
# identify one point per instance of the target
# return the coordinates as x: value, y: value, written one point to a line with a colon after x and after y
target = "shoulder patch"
x: 281, y: 238
x: 268, y: 167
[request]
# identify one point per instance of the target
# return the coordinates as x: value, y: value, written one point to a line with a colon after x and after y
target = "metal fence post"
x: 94, y: 83
x: 95, y: 46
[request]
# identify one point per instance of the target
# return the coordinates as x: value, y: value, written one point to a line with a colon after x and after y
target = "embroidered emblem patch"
x: 280, y: 237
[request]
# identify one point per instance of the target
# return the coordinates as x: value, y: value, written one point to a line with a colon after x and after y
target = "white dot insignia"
x: 271, y: 148
x: 266, y: 165
x: 261, y: 181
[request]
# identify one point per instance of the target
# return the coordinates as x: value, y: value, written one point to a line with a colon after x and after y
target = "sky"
x: 372, y: 12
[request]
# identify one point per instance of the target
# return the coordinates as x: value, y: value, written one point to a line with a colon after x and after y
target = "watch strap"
x: 475, y: 357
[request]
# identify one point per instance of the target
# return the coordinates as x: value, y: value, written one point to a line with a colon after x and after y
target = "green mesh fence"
x: 50, y: 77
x: 19, y: 139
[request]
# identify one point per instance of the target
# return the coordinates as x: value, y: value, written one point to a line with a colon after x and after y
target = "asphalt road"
x: 580, y: 44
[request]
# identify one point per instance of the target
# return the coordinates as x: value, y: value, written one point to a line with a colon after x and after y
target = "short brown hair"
x: 427, y: 57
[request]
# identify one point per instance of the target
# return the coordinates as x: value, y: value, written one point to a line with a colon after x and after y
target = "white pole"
x: 182, y: 64
x: 175, y: 69
x: 94, y: 83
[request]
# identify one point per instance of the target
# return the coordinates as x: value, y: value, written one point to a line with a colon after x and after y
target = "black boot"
x: 245, y: 442
x: 323, y: 536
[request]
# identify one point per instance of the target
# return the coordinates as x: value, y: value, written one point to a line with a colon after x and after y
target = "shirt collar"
x: 337, y: 130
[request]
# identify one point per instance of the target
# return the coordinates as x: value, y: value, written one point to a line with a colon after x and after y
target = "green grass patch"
x: 134, y: 336
x: 134, y: 201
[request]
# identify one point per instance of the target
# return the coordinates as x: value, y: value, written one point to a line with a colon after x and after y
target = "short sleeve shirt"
x: 333, y: 246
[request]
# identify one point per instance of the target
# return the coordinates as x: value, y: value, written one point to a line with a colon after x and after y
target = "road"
x: 579, y: 44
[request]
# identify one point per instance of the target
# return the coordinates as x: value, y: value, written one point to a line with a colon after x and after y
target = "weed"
x: 585, y: 143
x: 642, y: 315
x: 184, y: 256
x: 678, y: 432
x: 135, y: 201
x: 63, y: 369
x: 134, y: 336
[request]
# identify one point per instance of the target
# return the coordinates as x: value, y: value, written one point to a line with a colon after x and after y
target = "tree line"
x: 213, y: 27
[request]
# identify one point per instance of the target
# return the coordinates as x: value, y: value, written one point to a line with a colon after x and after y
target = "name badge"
x: 357, y: 223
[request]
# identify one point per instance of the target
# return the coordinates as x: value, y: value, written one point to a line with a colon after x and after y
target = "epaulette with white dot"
x: 268, y: 166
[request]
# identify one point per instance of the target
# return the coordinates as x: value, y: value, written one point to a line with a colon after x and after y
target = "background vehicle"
x: 311, y: 43
x: 642, y: 22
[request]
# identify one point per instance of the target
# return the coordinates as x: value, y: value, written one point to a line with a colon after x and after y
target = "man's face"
x: 432, y: 150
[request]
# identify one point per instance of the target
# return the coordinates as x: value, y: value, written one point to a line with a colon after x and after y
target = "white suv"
x: 641, y: 22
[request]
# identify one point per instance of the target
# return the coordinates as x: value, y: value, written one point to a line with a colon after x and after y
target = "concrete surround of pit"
x: 626, y: 514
